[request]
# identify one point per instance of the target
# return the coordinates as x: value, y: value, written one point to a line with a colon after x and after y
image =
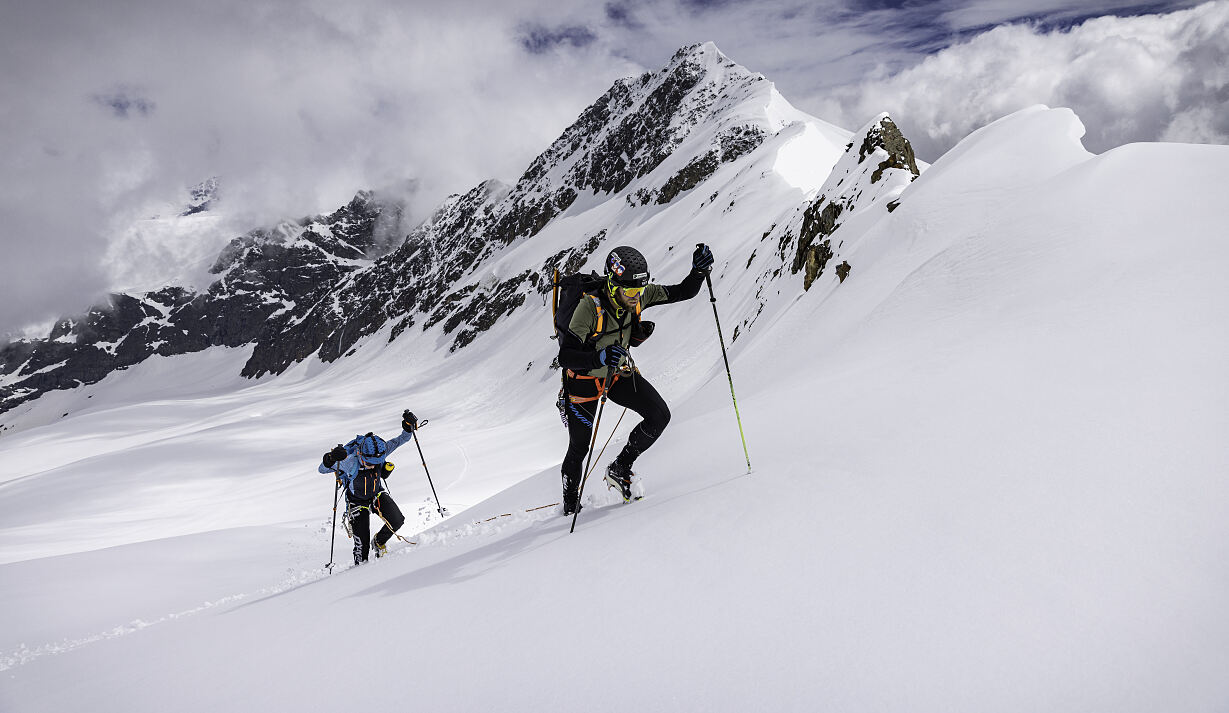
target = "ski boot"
x: 619, y: 476
x: 378, y: 549
x: 571, y: 502
x: 571, y: 494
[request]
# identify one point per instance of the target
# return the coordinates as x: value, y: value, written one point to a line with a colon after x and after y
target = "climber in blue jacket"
x: 361, y: 466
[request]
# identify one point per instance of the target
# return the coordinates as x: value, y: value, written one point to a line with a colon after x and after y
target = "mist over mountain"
x: 310, y: 287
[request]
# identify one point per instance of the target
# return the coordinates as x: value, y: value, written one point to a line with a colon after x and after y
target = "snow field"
x: 988, y: 475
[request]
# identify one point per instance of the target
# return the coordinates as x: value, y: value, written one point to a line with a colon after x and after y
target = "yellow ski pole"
x: 713, y: 299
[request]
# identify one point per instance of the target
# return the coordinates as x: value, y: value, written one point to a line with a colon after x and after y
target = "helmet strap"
x: 611, y: 290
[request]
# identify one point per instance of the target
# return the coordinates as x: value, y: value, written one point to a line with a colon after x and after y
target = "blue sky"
x: 108, y: 110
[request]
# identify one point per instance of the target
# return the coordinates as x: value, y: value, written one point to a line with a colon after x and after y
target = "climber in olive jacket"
x: 604, y: 325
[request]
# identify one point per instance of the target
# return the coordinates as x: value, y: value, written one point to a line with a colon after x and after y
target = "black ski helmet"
x: 626, y: 267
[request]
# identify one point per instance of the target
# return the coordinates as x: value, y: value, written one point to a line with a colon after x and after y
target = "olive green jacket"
x: 597, y: 323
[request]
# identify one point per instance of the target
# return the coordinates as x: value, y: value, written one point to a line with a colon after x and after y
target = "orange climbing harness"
x: 599, y: 385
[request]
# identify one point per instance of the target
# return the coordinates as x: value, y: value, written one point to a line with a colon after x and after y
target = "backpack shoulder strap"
x: 597, y: 305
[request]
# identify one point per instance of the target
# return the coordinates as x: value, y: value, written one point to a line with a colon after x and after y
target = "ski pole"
x: 592, y: 442
x: 713, y: 299
x: 438, y: 508
x: 333, y: 538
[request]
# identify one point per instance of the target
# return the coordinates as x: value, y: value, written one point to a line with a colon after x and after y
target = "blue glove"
x: 702, y: 258
x: 612, y: 355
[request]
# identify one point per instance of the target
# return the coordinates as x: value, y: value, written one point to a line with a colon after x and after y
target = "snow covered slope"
x: 988, y: 474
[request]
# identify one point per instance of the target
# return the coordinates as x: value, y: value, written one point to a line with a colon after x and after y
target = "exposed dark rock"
x: 641, y: 140
x: 887, y: 136
x: 263, y: 275
x: 731, y: 145
x: 693, y: 174
x: 569, y: 260
x: 740, y: 141
x: 819, y: 220
x: 482, y: 313
x: 817, y: 258
x: 787, y: 239
x: 202, y: 196
x: 882, y: 142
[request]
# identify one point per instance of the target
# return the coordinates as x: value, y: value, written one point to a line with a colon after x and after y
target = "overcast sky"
x: 109, y: 110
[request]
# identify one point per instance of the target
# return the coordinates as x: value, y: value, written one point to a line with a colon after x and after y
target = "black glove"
x: 336, y: 455
x: 409, y: 422
x: 702, y: 258
x: 641, y: 331
x: 612, y: 355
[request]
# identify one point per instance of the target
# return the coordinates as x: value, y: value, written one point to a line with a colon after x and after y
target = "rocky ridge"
x: 874, y: 171
x: 877, y: 165
x: 263, y: 277
x: 623, y: 137
x: 311, y: 288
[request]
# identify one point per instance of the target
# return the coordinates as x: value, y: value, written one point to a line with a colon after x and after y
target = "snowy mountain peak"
x: 263, y: 277
x: 640, y: 122
x: 703, y: 52
x: 706, y: 59
x: 202, y: 196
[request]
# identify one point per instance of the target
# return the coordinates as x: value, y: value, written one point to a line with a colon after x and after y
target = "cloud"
x: 1143, y: 78
x: 703, y: 5
x: 111, y: 113
x: 123, y: 104
x: 621, y: 14
x: 111, y: 110
x: 537, y: 39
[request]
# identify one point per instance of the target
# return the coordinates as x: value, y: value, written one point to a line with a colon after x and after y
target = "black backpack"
x: 568, y: 290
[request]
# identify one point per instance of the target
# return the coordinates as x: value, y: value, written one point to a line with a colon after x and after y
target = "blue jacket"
x: 347, y: 471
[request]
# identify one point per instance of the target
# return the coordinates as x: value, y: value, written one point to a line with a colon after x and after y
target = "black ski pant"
x: 358, y: 511
x: 632, y: 391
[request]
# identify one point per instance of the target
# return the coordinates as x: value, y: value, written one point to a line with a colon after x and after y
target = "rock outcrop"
x: 875, y: 169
